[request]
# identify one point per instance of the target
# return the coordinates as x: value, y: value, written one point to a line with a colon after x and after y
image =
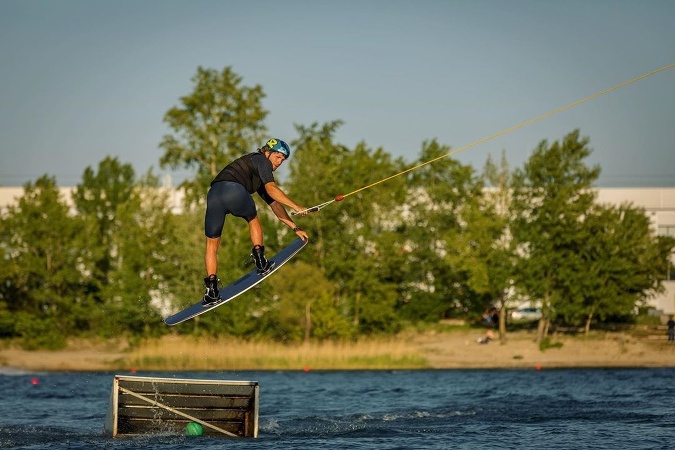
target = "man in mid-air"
x: 231, y: 193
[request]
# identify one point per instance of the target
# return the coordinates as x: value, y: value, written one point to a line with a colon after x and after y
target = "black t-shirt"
x: 253, y: 171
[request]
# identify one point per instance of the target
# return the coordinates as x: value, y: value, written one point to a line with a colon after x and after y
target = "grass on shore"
x: 189, y: 353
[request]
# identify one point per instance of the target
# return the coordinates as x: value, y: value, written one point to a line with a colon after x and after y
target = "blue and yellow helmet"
x: 277, y: 145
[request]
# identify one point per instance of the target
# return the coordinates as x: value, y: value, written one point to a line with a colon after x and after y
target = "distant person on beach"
x: 491, y: 317
x: 495, y: 317
x: 671, y: 330
x: 489, y: 336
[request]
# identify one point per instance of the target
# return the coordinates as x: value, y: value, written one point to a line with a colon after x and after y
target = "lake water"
x: 429, y: 409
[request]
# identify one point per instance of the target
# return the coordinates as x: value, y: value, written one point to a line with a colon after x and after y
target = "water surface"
x: 428, y: 409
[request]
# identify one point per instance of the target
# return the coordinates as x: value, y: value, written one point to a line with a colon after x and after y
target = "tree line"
x: 442, y: 241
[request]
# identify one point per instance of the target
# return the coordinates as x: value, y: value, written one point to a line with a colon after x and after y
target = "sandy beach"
x: 452, y: 350
x: 521, y: 351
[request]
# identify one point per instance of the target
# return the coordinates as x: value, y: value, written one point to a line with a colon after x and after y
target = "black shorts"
x: 226, y: 197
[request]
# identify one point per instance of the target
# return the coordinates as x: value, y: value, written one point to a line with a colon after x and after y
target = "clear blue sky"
x: 80, y: 80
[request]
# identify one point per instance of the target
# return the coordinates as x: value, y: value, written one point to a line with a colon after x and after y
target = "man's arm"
x: 279, y: 196
x: 281, y: 199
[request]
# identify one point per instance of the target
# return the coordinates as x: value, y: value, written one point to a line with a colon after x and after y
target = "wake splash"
x: 362, y: 424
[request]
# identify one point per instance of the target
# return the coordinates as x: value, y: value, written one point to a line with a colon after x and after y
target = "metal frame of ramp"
x: 149, y: 405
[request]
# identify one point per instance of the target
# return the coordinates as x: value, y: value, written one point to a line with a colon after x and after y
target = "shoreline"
x: 446, y: 350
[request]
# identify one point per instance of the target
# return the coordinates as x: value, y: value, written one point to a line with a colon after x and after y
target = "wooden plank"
x: 181, y: 388
x: 184, y: 402
x: 203, y: 414
x: 132, y: 378
x: 139, y: 427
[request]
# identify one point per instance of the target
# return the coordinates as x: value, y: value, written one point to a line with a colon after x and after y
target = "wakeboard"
x: 240, y: 286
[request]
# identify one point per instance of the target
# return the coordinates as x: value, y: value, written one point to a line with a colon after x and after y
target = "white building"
x: 659, y: 205
x: 10, y: 195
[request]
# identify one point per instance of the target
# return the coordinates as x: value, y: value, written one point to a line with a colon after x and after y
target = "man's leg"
x: 256, y: 231
x: 258, y: 252
x: 211, y: 255
x: 211, y: 281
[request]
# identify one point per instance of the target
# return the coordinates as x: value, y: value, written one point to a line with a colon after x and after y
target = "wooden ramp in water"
x: 149, y: 405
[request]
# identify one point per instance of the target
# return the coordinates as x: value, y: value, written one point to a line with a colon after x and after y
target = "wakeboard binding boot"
x: 211, y: 284
x: 261, y: 263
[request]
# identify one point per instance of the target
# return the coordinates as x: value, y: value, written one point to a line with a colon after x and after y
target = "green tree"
x: 126, y: 263
x: 622, y: 265
x: 217, y: 122
x: 98, y: 199
x: 443, y: 202
x: 501, y: 257
x: 347, y: 237
x: 41, y: 288
x: 551, y: 196
x: 316, y: 177
x: 304, y: 308
x: 143, y: 247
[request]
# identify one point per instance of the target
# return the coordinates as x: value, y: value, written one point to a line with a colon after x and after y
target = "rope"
x: 480, y: 141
